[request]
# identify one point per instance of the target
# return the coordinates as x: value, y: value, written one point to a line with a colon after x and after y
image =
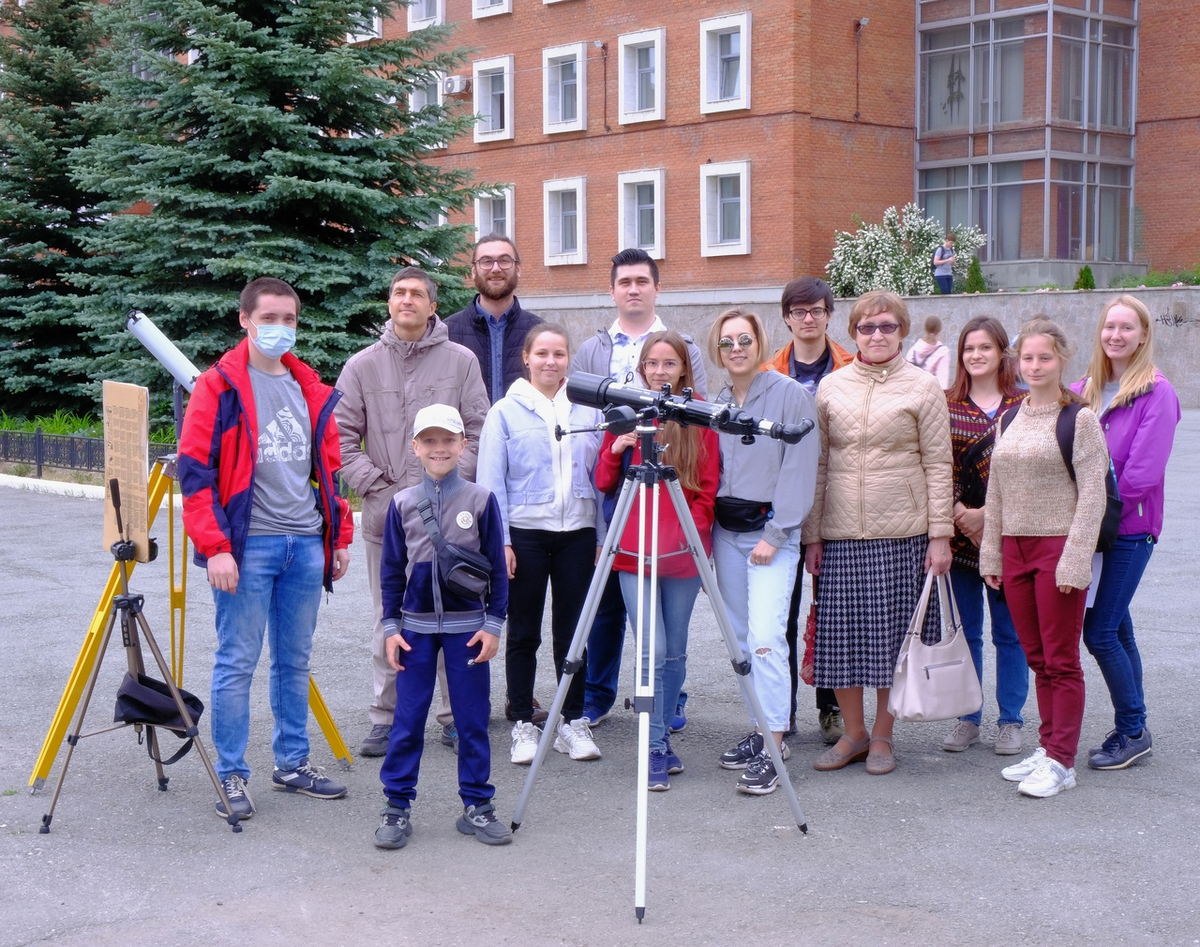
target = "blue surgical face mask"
x: 274, y: 341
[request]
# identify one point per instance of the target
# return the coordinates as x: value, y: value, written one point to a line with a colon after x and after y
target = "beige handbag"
x: 935, y: 682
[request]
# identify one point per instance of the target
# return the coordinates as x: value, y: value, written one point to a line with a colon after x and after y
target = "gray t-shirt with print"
x: 284, y: 500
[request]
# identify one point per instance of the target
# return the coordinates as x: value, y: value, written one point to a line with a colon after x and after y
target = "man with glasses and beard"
x: 494, y: 325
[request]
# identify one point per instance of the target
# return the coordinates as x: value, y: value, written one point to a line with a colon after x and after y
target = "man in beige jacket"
x: 413, y: 364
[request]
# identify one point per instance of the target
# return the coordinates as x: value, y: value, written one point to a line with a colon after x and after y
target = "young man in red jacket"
x: 257, y: 460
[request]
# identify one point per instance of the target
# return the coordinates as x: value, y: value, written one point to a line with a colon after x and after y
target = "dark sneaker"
x: 596, y: 717
x: 395, y: 826
x: 739, y: 756
x: 674, y: 763
x: 239, y: 798
x: 450, y: 737
x: 481, y: 822
x: 832, y: 727
x: 1125, y: 751
x: 679, y: 721
x: 375, y: 743
x: 657, y: 780
x: 1111, y: 742
x: 539, y: 715
x: 760, y: 777
x: 307, y: 780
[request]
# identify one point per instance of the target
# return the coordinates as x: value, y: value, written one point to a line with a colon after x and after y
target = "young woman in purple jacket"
x: 1138, y: 411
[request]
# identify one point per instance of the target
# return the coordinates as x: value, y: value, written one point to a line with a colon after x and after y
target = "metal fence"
x: 63, y: 451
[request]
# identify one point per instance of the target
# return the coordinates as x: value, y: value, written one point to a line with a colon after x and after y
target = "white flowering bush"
x: 896, y: 254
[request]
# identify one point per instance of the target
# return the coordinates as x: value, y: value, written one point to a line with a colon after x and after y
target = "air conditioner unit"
x: 456, y: 85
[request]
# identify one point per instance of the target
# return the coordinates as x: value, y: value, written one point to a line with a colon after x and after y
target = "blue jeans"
x: 470, y: 699
x: 1012, y: 673
x: 756, y: 600
x: 945, y: 284
x: 606, y: 640
x: 1108, y: 630
x: 672, y: 615
x: 278, y: 593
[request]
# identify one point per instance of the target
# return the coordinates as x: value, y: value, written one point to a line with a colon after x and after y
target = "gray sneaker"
x: 1008, y: 741
x: 450, y: 737
x: 481, y: 822
x: 395, y: 826
x: 375, y: 743
x: 307, y: 780
x: 962, y: 736
x: 239, y: 798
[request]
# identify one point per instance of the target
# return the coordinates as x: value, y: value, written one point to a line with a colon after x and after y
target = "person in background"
x: 984, y: 388
x: 1138, y: 410
x: 943, y: 267
x: 930, y: 354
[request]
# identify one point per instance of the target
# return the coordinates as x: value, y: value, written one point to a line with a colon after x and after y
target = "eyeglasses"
x: 870, y: 328
x: 486, y: 263
x: 668, y: 365
x: 744, y: 341
x: 799, y: 314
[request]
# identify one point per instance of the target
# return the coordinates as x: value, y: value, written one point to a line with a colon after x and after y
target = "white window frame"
x: 484, y: 69
x: 481, y: 9
x: 627, y: 208
x: 375, y: 33
x: 710, y: 209
x: 553, y: 253
x: 627, y: 47
x: 710, y: 63
x: 417, y: 22
x: 484, y: 222
x: 551, y: 57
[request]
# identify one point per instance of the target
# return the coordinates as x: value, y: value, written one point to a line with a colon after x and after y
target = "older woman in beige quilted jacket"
x: 881, y: 519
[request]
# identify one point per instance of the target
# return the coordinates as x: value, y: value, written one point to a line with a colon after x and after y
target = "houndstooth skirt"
x: 867, y: 593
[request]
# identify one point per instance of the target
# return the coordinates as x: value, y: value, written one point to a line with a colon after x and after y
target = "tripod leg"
x: 192, y: 730
x: 136, y: 665
x: 571, y: 664
x: 73, y: 735
x: 741, y: 669
x: 333, y: 735
x: 643, y: 692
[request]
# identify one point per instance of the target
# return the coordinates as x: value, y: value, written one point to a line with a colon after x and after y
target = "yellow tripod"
x: 160, y: 487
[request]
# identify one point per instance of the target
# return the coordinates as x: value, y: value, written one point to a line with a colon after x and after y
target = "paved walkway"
x: 942, y: 852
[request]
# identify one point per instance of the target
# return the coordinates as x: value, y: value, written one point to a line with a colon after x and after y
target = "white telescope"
x: 163, y: 349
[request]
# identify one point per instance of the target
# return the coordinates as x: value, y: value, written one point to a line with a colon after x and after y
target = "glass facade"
x: 1025, y: 116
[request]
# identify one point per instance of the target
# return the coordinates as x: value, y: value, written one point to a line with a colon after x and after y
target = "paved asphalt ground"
x: 941, y: 852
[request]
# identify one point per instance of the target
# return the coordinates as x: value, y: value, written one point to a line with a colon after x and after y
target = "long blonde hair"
x: 1138, y: 377
x: 1051, y: 330
x: 684, y: 444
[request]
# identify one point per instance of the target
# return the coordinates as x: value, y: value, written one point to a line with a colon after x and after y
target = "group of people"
x: 446, y: 430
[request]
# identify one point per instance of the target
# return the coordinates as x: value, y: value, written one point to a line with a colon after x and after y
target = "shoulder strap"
x: 425, y: 508
x: 1007, y: 417
x: 1064, y: 430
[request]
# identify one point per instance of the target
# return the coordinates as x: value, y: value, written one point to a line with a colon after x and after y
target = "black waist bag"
x: 149, y: 702
x: 742, y: 516
x: 463, y: 571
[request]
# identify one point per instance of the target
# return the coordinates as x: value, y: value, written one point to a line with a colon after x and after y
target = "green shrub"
x: 1155, y: 278
x: 1085, y: 279
x: 975, y: 282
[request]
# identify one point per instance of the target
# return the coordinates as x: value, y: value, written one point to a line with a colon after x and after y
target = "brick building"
x: 731, y: 140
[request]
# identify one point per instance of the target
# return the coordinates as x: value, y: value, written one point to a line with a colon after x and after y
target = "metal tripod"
x: 127, y: 610
x: 647, y: 477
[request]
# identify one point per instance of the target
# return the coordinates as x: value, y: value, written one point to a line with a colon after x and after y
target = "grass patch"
x: 77, y: 425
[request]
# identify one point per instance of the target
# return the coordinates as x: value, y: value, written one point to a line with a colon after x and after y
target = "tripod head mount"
x: 600, y: 391
x: 124, y: 549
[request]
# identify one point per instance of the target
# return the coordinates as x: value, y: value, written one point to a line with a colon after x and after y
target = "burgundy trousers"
x: 1049, y: 625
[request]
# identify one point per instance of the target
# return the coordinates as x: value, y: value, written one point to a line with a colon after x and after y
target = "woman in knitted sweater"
x: 1039, y: 535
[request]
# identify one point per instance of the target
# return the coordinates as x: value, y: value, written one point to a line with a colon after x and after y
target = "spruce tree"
x: 250, y: 138
x: 43, y: 212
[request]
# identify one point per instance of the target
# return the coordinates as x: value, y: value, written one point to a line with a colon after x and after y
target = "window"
x: 425, y: 93
x: 725, y: 63
x: 423, y: 13
x: 725, y: 208
x: 372, y: 29
x: 492, y: 87
x: 494, y: 213
x: 565, y: 224
x: 640, y: 211
x: 482, y: 8
x: 642, y: 79
x: 564, y: 88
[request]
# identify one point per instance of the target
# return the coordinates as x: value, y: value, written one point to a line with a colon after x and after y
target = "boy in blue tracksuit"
x: 422, y: 615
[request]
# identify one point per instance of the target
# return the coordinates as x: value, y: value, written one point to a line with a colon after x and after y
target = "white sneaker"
x: 1049, y: 779
x: 1018, y: 771
x: 575, y: 738
x: 524, y: 742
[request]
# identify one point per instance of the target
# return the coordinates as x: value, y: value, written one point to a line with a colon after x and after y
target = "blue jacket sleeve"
x: 491, y: 544
x: 393, y: 568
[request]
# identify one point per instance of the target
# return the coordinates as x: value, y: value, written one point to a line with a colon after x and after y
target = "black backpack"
x: 1064, y: 431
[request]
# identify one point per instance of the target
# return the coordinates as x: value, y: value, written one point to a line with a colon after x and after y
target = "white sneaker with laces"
x: 524, y: 742
x: 1049, y: 779
x: 575, y: 738
x: 1018, y: 771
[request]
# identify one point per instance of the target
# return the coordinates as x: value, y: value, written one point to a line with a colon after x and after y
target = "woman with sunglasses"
x: 693, y: 452
x: 880, y: 520
x: 765, y: 492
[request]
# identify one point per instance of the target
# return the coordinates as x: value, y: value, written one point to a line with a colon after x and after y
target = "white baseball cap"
x: 440, y: 416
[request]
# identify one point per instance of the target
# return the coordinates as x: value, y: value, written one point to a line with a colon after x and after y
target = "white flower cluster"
x: 896, y: 254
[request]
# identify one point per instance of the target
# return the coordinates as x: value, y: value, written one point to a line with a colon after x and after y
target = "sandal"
x: 835, y: 757
x: 880, y: 764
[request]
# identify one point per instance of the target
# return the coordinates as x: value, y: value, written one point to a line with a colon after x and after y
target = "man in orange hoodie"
x: 808, y: 357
